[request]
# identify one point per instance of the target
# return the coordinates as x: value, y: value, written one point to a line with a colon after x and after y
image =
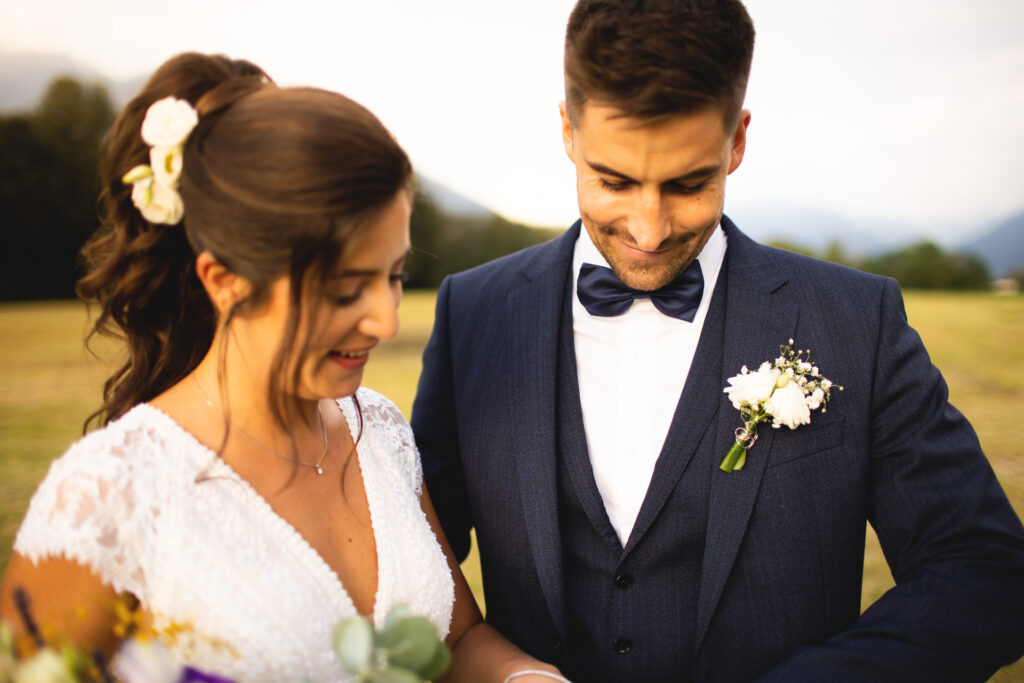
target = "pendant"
x: 319, y: 470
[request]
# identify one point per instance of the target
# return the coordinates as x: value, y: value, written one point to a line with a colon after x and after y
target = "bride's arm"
x: 67, y: 601
x: 479, y: 652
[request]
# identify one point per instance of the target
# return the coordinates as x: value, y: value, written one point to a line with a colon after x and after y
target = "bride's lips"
x: 350, y: 359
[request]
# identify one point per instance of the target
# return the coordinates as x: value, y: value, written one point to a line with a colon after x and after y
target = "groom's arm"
x: 434, y: 425
x: 952, y: 541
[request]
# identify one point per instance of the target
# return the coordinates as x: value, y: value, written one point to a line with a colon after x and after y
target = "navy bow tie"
x: 602, y: 293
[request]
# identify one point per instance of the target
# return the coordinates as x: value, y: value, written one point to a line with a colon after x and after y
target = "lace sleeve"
x: 88, y: 510
x: 384, y: 416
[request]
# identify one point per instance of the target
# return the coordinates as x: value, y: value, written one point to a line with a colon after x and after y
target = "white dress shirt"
x: 631, y: 370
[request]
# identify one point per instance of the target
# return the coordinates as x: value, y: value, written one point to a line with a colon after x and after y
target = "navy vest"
x: 631, y: 613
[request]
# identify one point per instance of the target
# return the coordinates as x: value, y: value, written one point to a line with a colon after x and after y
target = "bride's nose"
x: 380, y: 318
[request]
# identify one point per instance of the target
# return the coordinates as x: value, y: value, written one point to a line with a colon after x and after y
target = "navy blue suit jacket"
x: 780, y: 585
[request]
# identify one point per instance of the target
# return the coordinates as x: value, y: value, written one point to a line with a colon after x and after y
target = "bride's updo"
x: 275, y: 182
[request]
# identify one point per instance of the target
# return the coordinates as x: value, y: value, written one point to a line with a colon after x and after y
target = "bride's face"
x: 354, y: 310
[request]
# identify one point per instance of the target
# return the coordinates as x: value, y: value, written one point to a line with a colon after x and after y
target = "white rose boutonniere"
x: 784, y: 391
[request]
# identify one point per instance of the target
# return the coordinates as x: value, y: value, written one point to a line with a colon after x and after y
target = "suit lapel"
x: 756, y: 323
x: 694, y: 416
x: 534, y: 310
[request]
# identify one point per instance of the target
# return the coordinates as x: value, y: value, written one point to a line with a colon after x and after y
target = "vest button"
x: 622, y: 645
x: 623, y: 581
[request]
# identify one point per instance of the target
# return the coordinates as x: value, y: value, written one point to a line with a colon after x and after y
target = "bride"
x: 245, y: 493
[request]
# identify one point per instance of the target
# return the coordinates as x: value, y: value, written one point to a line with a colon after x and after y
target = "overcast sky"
x: 903, y: 112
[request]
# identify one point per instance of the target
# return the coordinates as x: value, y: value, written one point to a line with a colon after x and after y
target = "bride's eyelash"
x: 349, y: 299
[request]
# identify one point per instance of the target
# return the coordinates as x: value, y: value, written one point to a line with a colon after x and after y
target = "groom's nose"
x: 649, y: 223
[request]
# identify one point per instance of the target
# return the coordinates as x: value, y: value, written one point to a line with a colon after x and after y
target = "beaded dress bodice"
x: 155, y: 513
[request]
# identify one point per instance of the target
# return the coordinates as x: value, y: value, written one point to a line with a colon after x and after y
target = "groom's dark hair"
x: 656, y: 58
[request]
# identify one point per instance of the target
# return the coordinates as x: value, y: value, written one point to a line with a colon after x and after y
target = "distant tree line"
x: 444, y: 244
x: 922, y: 265
x: 49, y: 166
x: 49, y: 184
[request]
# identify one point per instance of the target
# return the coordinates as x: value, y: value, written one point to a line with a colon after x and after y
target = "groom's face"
x: 651, y: 193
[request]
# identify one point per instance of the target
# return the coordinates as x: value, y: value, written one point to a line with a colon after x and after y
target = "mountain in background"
x: 816, y: 229
x: 1002, y: 248
x: 450, y: 201
x: 24, y: 77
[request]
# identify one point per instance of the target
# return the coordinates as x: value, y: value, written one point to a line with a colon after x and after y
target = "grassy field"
x: 49, y: 384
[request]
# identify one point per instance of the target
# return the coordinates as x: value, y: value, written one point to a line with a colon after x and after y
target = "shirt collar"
x: 710, y: 256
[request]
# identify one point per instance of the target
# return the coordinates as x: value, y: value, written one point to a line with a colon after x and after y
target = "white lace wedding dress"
x: 156, y: 513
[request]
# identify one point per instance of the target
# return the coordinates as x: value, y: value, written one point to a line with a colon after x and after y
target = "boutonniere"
x: 785, y: 391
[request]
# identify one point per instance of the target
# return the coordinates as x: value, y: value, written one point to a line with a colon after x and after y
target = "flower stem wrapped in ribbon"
x: 165, y: 129
x: 784, y: 391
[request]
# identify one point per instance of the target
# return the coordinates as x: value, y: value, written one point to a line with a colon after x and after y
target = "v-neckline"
x: 285, y: 531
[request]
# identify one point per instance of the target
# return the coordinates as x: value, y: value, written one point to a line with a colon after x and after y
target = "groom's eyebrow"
x: 697, y: 174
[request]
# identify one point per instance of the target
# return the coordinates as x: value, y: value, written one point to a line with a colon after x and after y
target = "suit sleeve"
x: 953, y: 543
x: 435, y: 429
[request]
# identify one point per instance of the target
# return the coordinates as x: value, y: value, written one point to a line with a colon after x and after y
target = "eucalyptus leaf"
x: 353, y: 641
x: 410, y: 642
x: 392, y: 674
x: 438, y: 664
x: 396, y: 614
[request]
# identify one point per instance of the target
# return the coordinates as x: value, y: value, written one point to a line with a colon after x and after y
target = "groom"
x: 580, y: 430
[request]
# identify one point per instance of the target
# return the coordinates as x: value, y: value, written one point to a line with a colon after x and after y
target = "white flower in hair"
x: 166, y: 163
x: 168, y: 122
x: 164, y: 205
x: 166, y: 127
x: 157, y: 202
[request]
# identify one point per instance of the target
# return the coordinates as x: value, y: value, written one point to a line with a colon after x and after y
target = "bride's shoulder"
x: 386, y: 426
x: 107, y: 485
x: 135, y: 443
x: 139, y: 433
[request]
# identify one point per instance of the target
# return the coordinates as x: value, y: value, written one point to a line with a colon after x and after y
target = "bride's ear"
x: 224, y: 287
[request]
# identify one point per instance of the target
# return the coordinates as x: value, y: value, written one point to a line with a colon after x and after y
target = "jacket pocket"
x: 805, y: 440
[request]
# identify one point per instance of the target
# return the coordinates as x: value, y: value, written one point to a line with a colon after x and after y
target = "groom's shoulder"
x: 511, y: 267
x: 815, y: 271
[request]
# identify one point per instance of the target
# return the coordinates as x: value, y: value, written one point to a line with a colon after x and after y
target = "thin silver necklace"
x: 323, y: 432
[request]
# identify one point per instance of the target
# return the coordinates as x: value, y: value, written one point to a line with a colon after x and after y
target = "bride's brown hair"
x: 275, y: 182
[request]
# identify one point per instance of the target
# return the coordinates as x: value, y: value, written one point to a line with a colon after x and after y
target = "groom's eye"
x: 679, y: 188
x: 615, y: 185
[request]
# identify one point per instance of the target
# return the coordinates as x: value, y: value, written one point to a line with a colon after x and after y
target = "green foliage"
x: 790, y: 246
x: 49, y: 160
x: 405, y: 650
x: 444, y: 244
x: 925, y: 265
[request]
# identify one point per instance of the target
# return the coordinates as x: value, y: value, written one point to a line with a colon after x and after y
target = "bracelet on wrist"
x: 537, y: 672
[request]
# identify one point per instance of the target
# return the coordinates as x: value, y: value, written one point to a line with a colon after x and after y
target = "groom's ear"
x: 224, y: 287
x: 566, y: 130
